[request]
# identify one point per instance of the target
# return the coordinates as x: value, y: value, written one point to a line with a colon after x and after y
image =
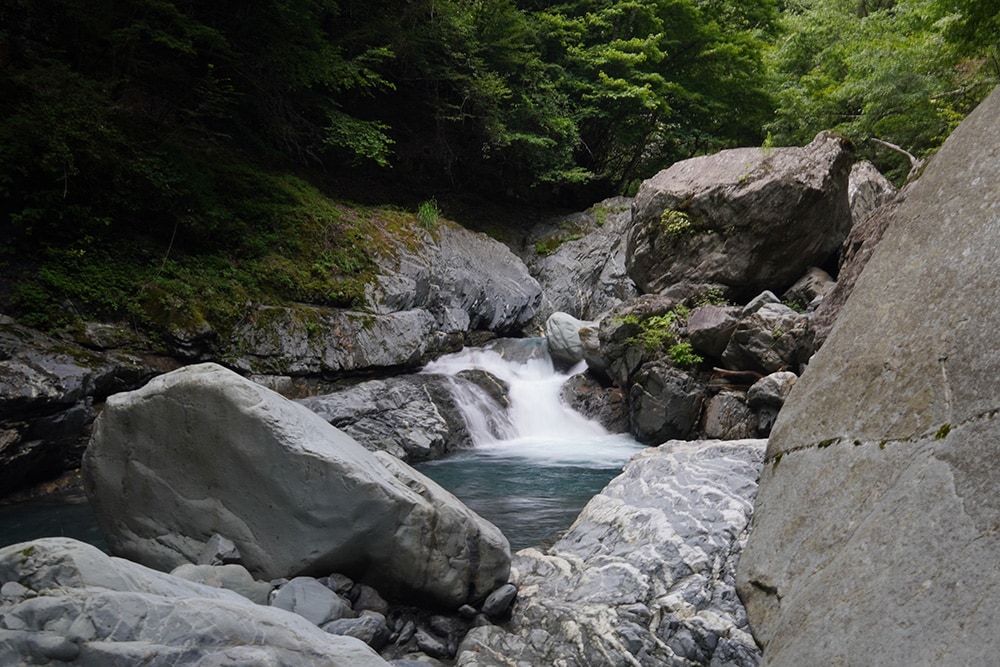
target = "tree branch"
x: 915, y: 163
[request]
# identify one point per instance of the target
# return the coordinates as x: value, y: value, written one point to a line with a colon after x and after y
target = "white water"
x: 532, y: 469
x: 537, y: 425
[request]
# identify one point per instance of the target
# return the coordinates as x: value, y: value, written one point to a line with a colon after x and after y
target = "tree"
x: 872, y: 70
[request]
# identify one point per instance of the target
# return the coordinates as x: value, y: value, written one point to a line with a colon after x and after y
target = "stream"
x: 531, y: 471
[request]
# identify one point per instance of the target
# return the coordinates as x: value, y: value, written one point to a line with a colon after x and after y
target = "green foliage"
x: 428, y: 214
x: 675, y: 223
x: 662, y: 333
x: 683, y: 355
x: 885, y: 70
x: 714, y: 296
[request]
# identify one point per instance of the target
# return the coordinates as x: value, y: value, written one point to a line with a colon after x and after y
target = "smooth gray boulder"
x: 84, y: 608
x: 876, y: 520
x: 645, y: 576
x: 312, y: 601
x: 562, y: 334
x: 745, y: 219
x: 202, y: 450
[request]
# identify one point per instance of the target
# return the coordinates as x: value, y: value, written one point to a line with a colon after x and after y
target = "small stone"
x: 499, y: 601
x: 339, y: 584
x: 13, y: 589
x: 370, y: 628
x: 312, y: 600
x: 219, y: 550
x: 467, y: 611
x: 367, y: 598
x: 432, y: 645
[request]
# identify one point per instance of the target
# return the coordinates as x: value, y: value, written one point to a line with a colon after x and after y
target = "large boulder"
x: 466, y: 279
x: 66, y: 602
x: 645, y: 576
x: 413, y: 417
x: 876, y: 519
x: 585, y: 274
x: 665, y: 403
x: 313, y: 340
x: 202, y: 450
x: 744, y: 219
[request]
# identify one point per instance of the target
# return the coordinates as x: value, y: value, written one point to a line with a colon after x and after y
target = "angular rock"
x: 562, y: 333
x: 605, y: 405
x: 412, y: 417
x: 232, y: 577
x: 867, y: 189
x: 879, y: 507
x: 747, y: 219
x: 499, y: 601
x: 586, y: 276
x: 771, y: 339
x: 728, y: 417
x: 311, y: 340
x: 47, y: 390
x: 91, y: 610
x: 201, y: 451
x: 369, y: 628
x: 621, y: 356
x: 815, y: 283
x: 645, y: 576
x: 710, y: 327
x: 771, y: 390
x: 466, y: 279
x: 665, y: 403
x: 219, y: 550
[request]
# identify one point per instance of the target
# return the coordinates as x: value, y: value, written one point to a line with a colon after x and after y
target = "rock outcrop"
x: 413, y: 417
x: 877, y: 513
x: 201, y: 451
x: 645, y: 576
x: 48, y: 389
x: 743, y: 220
x: 66, y: 602
x: 585, y: 274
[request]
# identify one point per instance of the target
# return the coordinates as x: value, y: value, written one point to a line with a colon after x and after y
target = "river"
x: 531, y: 471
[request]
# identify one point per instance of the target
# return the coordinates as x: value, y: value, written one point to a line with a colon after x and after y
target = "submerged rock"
x: 877, y: 519
x: 79, y: 606
x: 201, y: 451
x: 645, y: 576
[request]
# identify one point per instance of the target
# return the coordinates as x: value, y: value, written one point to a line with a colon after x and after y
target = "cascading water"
x: 532, y: 472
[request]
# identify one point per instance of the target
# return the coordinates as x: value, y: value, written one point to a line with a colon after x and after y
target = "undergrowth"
x: 262, y: 237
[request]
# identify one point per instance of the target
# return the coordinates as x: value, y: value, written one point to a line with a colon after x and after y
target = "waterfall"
x: 535, y: 465
x: 535, y: 411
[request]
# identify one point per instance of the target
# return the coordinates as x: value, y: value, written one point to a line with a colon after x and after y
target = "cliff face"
x: 878, y: 509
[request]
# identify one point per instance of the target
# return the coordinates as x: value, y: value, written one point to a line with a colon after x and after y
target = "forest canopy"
x: 214, y: 124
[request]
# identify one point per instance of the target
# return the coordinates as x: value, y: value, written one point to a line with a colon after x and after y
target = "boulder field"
x: 874, y: 535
